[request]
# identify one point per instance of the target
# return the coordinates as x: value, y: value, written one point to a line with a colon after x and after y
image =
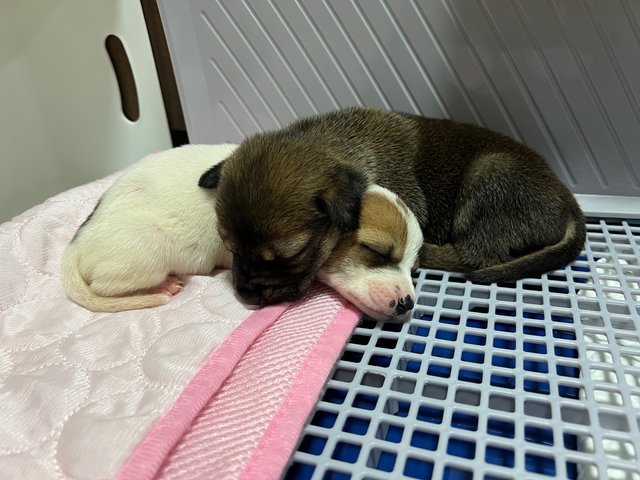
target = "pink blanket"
x: 248, y: 428
x: 201, y: 387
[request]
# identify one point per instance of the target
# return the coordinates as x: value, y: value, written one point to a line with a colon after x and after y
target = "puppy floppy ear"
x: 342, y: 201
x: 211, y: 177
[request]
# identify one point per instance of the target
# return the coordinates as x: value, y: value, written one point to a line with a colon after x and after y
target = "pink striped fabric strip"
x: 250, y: 427
x: 279, y: 441
x: 152, y: 452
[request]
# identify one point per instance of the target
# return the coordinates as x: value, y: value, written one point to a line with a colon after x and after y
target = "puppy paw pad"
x: 171, y: 286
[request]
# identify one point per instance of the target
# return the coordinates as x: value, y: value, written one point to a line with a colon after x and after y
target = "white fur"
x: 152, y: 223
x: 373, y: 290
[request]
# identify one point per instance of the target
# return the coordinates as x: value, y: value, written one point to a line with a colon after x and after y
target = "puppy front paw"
x: 172, y: 286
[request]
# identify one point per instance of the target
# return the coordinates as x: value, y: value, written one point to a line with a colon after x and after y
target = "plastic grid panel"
x: 536, y: 379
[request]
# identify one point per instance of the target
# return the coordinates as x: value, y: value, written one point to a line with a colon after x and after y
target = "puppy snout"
x: 249, y: 294
x: 259, y: 295
x: 404, y: 305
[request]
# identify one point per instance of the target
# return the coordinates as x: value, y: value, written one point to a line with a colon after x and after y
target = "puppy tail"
x: 79, y: 292
x: 539, y: 262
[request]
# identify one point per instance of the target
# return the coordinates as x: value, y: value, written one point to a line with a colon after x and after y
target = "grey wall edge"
x: 609, y: 206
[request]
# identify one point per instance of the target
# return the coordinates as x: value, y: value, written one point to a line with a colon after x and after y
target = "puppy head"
x: 372, y: 267
x: 282, y: 207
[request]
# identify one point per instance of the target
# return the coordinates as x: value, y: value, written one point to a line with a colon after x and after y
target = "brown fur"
x: 480, y: 197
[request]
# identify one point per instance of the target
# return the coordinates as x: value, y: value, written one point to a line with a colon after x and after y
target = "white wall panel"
x: 563, y: 76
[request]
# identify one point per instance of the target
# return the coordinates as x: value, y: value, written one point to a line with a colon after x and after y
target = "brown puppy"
x: 487, y: 205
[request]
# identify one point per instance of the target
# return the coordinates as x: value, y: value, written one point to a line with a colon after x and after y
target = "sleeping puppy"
x: 154, y: 224
x: 372, y: 266
x: 487, y: 205
x: 151, y: 226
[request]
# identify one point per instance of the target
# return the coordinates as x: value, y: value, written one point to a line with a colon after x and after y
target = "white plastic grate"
x: 536, y: 379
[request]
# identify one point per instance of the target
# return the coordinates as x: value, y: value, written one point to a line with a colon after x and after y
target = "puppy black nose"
x: 404, y: 305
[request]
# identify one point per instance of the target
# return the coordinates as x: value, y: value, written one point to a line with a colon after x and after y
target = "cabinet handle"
x: 124, y: 77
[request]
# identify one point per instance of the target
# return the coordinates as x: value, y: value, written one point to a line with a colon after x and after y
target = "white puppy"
x: 154, y: 224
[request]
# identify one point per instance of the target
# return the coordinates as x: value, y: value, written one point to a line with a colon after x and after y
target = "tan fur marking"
x: 382, y: 225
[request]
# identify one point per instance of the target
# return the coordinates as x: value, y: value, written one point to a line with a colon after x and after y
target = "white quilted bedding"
x: 79, y: 390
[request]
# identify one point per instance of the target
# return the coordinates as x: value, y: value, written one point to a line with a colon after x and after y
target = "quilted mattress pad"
x: 96, y: 395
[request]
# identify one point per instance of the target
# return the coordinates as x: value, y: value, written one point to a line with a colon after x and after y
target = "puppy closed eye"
x: 292, y: 248
x: 293, y: 265
x: 377, y: 254
x: 296, y: 255
x: 292, y: 255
